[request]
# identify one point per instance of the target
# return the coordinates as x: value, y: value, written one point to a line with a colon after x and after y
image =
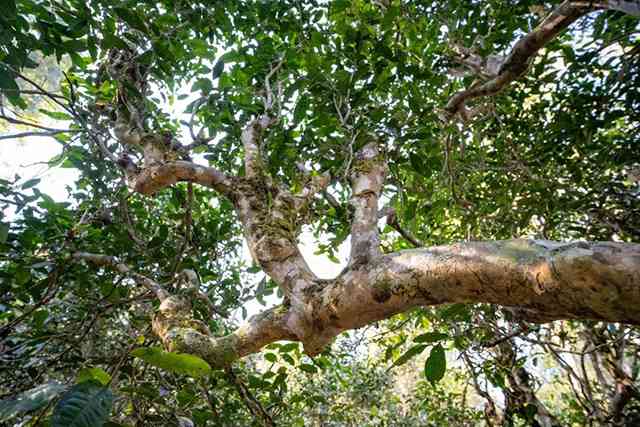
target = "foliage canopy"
x: 553, y: 155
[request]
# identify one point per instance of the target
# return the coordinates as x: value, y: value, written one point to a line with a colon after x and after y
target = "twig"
x: 112, y: 262
x: 41, y: 134
x: 392, y: 221
x: 524, y: 329
x: 252, y: 404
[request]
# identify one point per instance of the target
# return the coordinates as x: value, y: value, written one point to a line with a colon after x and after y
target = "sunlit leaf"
x: 179, y: 363
x: 93, y: 374
x: 412, y: 352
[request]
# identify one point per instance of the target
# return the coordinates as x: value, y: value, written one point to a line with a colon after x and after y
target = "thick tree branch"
x: 541, y: 280
x: 178, y: 331
x: 315, y: 184
x: 155, y: 178
x: 251, y: 140
x: 367, y: 179
x: 270, y: 214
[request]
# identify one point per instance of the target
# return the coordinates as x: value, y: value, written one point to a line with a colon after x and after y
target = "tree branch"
x: 113, y: 263
x: 517, y: 62
x: 367, y: 179
x: 51, y: 133
x: 629, y: 7
x: 251, y: 140
x: 392, y: 221
x: 250, y: 401
x: 542, y: 280
x: 155, y: 178
x: 178, y: 331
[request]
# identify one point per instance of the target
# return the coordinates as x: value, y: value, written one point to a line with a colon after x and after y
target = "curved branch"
x: 517, y: 62
x: 392, y: 221
x: 180, y: 333
x: 113, y: 263
x: 51, y: 133
x: 251, y: 139
x: 541, y: 280
x: 154, y: 178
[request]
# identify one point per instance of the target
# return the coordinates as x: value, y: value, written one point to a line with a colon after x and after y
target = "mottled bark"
x: 543, y: 280
x: 367, y: 179
x: 175, y: 326
x: 540, y: 280
x: 154, y: 178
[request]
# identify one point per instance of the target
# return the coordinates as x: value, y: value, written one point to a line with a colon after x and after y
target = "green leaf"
x: 285, y: 348
x: 7, y: 80
x: 430, y: 337
x: 10, y: 9
x: 30, y: 400
x: 271, y: 357
x: 111, y: 40
x: 301, y: 109
x: 413, y: 351
x: 39, y: 317
x: 308, y: 368
x: 4, y: 232
x: 93, y: 374
x: 217, y: 69
x: 56, y: 114
x: 9, y: 87
x: 179, y: 363
x: 436, y: 364
x: 31, y: 183
x: 288, y: 359
x: 131, y: 17
x: 454, y: 310
x: 417, y: 164
x: 203, y: 85
x: 85, y: 405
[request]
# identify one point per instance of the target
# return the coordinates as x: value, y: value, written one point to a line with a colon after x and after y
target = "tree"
x: 498, y: 126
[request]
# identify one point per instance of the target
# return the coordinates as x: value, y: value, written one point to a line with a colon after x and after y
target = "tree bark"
x: 541, y: 280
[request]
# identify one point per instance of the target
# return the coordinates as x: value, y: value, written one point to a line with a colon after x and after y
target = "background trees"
x: 554, y: 156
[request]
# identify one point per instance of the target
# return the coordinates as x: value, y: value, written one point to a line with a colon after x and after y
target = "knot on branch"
x: 368, y: 171
x: 179, y: 332
x: 175, y: 312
